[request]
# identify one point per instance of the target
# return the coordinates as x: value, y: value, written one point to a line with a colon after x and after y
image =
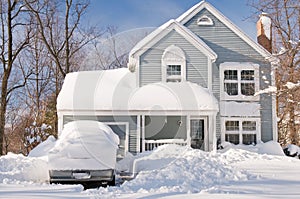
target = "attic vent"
x: 205, y: 21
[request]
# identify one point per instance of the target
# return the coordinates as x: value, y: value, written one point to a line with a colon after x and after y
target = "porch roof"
x: 171, y: 96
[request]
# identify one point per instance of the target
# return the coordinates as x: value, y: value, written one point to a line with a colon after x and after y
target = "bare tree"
x: 62, y: 33
x: 285, y: 15
x: 111, y: 51
x: 15, y: 34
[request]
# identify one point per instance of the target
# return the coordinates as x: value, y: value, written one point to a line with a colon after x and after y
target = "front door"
x: 197, y: 134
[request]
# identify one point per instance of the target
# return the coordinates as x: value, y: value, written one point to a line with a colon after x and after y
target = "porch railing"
x: 151, y: 144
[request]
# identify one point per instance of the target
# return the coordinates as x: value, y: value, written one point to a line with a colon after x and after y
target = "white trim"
x: 214, y: 132
x: 177, y: 58
x: 274, y: 113
x: 239, y: 66
x: 143, y: 133
x: 60, y: 122
x: 209, y: 73
x: 210, y: 22
x: 162, y: 31
x: 188, y: 130
x: 137, y: 74
x: 126, y: 133
x: 138, y: 112
x: 185, y: 17
x: 138, y: 132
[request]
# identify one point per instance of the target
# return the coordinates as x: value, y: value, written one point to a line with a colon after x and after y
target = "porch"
x: 196, y: 131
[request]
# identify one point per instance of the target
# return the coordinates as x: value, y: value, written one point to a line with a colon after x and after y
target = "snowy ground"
x: 170, y: 172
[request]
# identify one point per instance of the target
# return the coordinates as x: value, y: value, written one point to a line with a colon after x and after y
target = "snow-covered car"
x: 84, y: 153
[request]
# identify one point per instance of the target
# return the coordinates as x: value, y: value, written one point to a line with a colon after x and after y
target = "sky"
x: 131, y: 14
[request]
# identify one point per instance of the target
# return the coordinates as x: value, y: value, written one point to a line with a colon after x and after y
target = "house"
x: 192, y: 81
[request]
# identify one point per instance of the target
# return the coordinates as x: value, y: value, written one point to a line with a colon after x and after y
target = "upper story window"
x: 173, y: 65
x: 239, y: 81
x: 205, y: 21
x: 173, y: 73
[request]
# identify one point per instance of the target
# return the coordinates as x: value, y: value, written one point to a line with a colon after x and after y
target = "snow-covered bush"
x: 292, y: 150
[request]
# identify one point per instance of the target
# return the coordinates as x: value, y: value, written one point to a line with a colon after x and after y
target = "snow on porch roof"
x: 116, y: 90
x: 181, y: 96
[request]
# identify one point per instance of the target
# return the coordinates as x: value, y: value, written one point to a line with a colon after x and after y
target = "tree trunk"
x: 5, y: 77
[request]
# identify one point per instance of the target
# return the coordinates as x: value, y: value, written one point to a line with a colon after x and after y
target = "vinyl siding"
x: 230, y: 48
x: 196, y: 61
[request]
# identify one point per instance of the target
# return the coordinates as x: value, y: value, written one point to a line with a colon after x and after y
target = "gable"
x: 227, y: 44
x: 222, y: 23
x: 150, y: 68
x: 156, y: 36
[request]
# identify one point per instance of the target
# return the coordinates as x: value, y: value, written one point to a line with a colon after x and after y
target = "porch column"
x: 138, y: 129
x: 60, y: 122
x: 188, y: 130
x: 143, y: 133
x: 214, y: 119
x: 212, y: 132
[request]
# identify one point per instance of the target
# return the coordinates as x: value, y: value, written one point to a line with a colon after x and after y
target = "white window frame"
x: 240, y: 132
x: 173, y: 55
x: 239, y: 67
x: 209, y: 21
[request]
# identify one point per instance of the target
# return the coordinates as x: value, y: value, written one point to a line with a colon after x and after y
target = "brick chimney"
x: 264, y: 31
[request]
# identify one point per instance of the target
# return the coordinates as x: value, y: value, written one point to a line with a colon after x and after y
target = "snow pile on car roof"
x: 85, y: 145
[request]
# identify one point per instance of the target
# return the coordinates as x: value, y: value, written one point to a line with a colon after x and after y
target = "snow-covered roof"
x: 97, y: 90
x: 116, y: 90
x: 173, y: 96
x: 163, y: 30
x: 185, y: 17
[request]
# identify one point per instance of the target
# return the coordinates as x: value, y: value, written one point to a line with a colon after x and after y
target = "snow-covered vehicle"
x: 84, y: 153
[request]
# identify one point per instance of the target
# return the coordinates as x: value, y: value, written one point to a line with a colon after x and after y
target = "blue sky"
x: 131, y: 14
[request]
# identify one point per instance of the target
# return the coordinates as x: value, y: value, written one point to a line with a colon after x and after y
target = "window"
x: 173, y: 64
x: 173, y: 73
x: 241, y: 130
x: 232, y: 138
x: 249, y: 139
x: 205, y: 21
x: 249, y: 126
x: 239, y: 81
x: 232, y: 125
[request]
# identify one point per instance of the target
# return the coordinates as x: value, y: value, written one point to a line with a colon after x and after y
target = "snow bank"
x: 85, y: 145
x: 173, y: 168
x: 20, y: 168
x: 268, y: 148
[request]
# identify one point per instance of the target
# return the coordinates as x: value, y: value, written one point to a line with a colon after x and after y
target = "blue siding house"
x: 192, y: 81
